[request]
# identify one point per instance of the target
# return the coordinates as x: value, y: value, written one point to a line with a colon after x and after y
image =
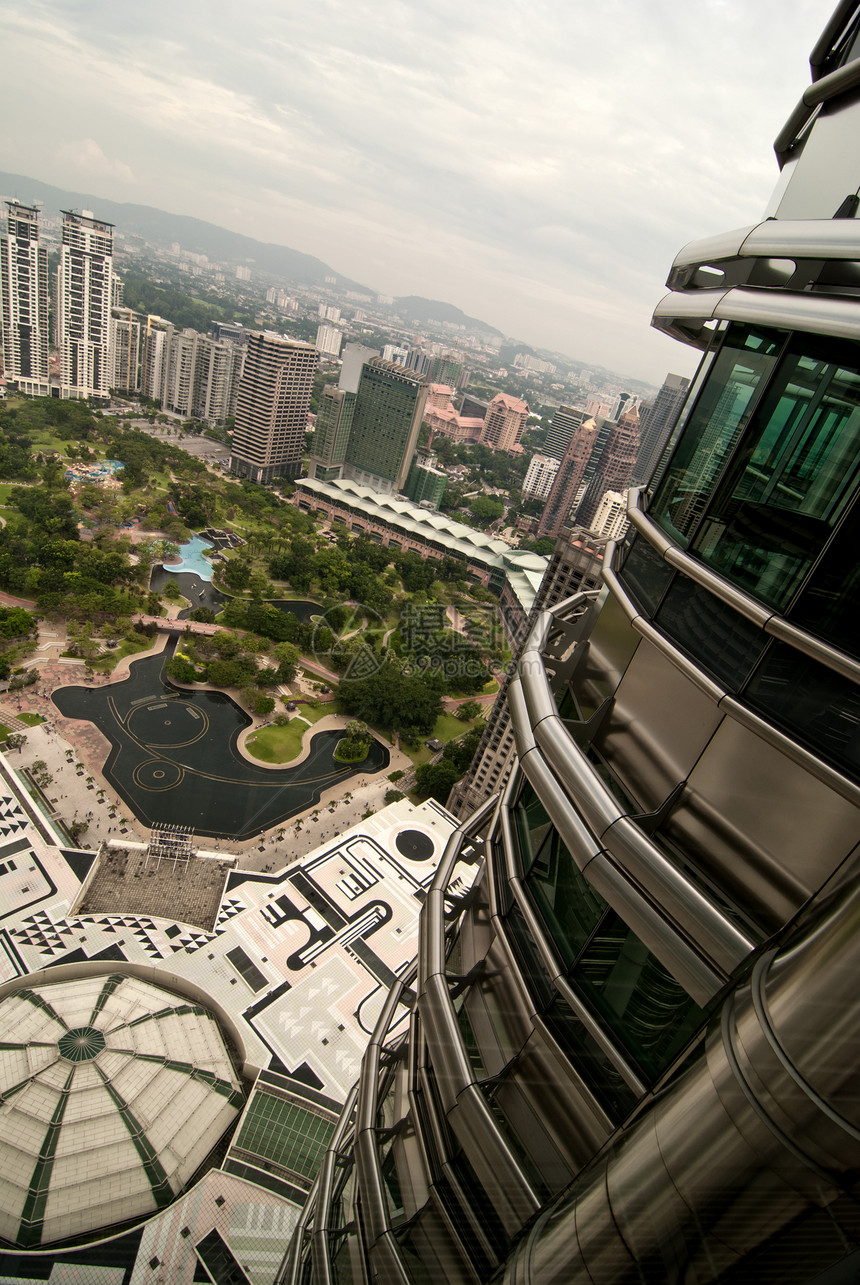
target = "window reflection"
x: 714, y: 428
x: 790, y: 482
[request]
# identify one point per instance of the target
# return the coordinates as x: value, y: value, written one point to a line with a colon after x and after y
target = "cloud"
x: 88, y: 159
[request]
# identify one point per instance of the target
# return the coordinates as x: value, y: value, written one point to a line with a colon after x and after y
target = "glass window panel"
x: 532, y: 824
x: 714, y: 427
x: 567, y: 904
x: 815, y: 705
x: 650, y: 1015
x: 827, y: 606
x: 645, y: 575
x: 723, y: 642
x: 790, y: 481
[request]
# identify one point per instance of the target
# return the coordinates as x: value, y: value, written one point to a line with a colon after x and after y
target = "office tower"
x: 610, y: 521
x: 425, y: 483
x: 631, y: 1053
x: 84, y: 293
x: 385, y: 425
x: 125, y: 334
x: 574, y: 567
x: 622, y: 403
x: 334, y: 416
x: 565, y: 488
x: 331, y: 433
x: 329, y: 340
x: 24, y: 301
x: 565, y: 420
x: 656, y: 424
x: 272, y: 407
x: 504, y: 423
x: 539, y: 477
x: 613, y: 466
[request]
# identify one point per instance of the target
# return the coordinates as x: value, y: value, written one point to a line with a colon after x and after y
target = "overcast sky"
x: 537, y: 164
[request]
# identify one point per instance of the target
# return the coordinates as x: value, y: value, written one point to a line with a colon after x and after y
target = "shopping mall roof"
x: 112, y: 1094
x: 523, y: 571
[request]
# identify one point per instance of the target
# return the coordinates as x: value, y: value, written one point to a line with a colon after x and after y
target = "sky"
x: 537, y: 164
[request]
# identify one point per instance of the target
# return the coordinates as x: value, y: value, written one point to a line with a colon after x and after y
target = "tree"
x: 467, y: 711
x: 181, y: 670
x: 15, y: 740
x: 434, y: 780
x: 392, y: 796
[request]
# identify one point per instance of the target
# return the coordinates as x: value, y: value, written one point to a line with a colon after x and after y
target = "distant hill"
x: 196, y: 235
x: 414, y: 308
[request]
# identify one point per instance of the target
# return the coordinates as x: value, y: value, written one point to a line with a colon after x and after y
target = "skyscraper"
x: 567, y: 483
x: 84, y: 296
x: 565, y: 419
x: 613, y: 467
x: 24, y: 301
x: 656, y: 424
x: 631, y: 1055
x: 385, y: 425
x: 272, y: 407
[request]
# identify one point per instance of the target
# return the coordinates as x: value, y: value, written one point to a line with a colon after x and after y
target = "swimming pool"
x: 193, y: 559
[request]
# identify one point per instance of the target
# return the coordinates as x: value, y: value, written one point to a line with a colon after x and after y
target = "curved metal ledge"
x: 766, y: 619
x: 468, y: 1113
x: 686, y: 315
x: 775, y: 239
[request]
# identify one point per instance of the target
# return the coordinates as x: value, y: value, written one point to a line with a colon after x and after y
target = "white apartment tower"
x: 24, y: 301
x: 539, y: 477
x: 84, y: 292
x: 272, y: 407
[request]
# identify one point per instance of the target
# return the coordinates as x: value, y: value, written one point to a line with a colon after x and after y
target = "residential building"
x: 272, y: 407
x: 329, y: 340
x: 385, y: 424
x: 24, y: 301
x: 155, y: 338
x: 656, y: 424
x: 631, y: 1049
x: 610, y: 521
x: 504, y: 423
x: 84, y: 293
x: 395, y: 353
x: 539, y: 477
x: 125, y: 334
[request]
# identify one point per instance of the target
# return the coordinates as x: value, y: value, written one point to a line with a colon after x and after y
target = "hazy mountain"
x: 195, y: 235
x: 413, y: 308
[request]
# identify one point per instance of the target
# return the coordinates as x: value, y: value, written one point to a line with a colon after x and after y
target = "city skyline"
x: 386, y: 153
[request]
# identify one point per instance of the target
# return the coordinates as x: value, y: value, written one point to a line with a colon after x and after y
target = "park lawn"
x: 107, y: 663
x: 274, y: 744
x: 4, y: 732
x: 490, y: 687
x: 32, y: 720
x: 5, y: 489
x: 314, y: 715
x: 446, y: 728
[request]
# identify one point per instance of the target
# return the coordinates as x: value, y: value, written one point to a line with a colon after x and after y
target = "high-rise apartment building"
x: 539, y: 477
x: 272, y: 407
x: 84, y: 295
x: 385, y: 425
x: 504, y: 423
x: 24, y: 301
x: 125, y: 337
x: 630, y: 1055
x: 656, y: 424
x: 610, y: 520
x: 329, y: 340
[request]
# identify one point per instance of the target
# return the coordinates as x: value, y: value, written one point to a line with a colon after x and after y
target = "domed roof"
x: 112, y: 1093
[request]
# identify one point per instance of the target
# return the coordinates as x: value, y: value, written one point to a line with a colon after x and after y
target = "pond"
x: 174, y: 760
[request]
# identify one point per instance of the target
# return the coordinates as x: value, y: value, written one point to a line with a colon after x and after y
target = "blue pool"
x: 193, y: 559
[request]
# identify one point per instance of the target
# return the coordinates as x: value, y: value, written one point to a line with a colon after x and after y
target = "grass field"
x: 275, y: 744
x: 32, y: 720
